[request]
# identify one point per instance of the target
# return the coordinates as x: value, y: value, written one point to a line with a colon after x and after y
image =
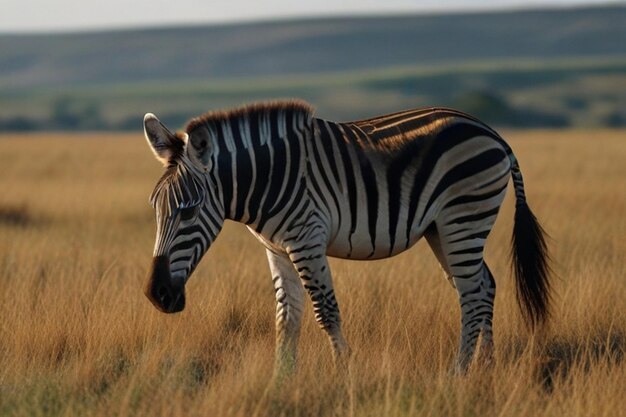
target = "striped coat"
x: 310, y: 188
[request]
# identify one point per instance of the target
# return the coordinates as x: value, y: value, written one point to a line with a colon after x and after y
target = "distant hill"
x: 306, y: 46
x: 86, y: 69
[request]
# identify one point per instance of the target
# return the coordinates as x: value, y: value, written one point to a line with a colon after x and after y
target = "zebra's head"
x: 189, y: 212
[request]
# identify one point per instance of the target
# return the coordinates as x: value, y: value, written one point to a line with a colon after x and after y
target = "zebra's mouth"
x: 166, y: 293
x: 170, y: 302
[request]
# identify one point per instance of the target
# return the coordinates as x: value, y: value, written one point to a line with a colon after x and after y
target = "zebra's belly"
x: 361, y: 245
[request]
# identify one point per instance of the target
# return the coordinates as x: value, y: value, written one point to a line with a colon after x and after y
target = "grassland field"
x: 78, y: 337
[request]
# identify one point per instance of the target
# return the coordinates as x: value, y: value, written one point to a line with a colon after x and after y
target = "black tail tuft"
x: 531, y: 265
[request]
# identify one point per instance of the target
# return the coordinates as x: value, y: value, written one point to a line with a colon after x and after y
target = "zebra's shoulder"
x: 296, y: 108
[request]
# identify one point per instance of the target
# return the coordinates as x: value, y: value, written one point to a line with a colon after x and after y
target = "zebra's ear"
x: 199, y: 147
x: 167, y: 146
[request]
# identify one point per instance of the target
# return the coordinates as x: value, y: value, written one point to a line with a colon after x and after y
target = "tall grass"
x: 77, y: 336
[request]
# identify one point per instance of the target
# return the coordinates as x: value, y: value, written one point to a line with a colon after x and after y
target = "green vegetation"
x: 551, y: 94
x: 550, y: 68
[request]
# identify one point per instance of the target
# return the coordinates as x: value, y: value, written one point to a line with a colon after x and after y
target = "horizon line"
x: 406, y: 13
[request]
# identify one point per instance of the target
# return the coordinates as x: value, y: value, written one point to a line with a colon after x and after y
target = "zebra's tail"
x: 530, y: 258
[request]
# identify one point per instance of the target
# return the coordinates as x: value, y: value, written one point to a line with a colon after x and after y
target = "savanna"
x: 78, y: 337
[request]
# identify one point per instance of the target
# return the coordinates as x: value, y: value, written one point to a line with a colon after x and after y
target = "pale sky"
x: 73, y: 15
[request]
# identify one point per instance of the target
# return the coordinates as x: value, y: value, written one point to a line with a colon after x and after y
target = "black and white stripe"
x: 369, y: 189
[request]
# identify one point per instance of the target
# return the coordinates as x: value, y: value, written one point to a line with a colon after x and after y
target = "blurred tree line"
x: 68, y: 113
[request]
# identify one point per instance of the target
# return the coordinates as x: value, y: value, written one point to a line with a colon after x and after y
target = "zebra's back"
x: 383, y: 181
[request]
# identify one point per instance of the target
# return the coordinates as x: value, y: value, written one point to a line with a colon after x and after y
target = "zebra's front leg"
x: 312, y: 266
x: 289, y: 300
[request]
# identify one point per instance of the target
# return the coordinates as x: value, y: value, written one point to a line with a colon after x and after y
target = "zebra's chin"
x: 167, y: 293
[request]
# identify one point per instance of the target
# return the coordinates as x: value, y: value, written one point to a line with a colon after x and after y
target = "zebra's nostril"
x: 164, y: 296
x: 161, y: 292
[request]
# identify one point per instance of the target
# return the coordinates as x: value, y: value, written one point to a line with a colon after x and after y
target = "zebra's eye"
x: 188, y: 213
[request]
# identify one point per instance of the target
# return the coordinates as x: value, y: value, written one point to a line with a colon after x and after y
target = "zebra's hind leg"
x: 462, y: 246
x: 289, y: 301
x: 485, y: 354
x: 476, y: 294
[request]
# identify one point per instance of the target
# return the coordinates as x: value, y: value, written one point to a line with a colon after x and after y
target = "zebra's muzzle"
x: 166, y: 295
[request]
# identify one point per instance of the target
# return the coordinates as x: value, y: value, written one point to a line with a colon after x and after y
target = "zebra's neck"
x: 260, y: 161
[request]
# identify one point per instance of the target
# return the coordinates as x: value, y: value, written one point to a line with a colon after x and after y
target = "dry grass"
x: 77, y: 336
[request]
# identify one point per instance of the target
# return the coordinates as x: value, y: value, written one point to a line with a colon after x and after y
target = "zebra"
x: 310, y: 188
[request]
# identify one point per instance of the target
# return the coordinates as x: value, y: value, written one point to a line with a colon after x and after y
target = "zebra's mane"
x: 171, y: 181
x: 220, y: 116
